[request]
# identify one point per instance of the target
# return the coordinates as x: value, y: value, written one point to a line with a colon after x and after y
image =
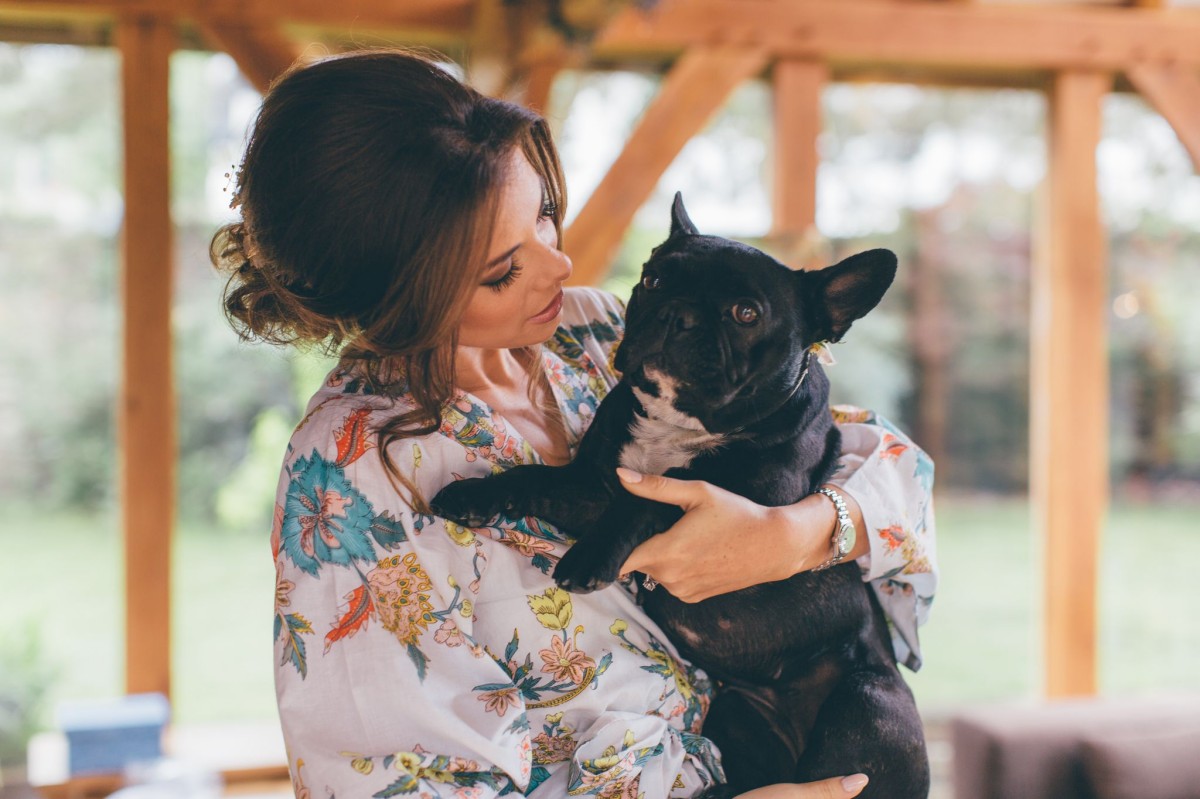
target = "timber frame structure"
x: 1074, y: 52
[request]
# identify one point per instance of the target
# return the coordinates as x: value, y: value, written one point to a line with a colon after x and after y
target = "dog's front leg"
x: 570, y: 497
x: 595, y: 560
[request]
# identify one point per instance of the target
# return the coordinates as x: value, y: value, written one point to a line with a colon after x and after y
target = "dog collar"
x: 822, y: 352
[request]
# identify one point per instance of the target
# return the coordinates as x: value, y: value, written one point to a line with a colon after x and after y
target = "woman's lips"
x: 550, y: 311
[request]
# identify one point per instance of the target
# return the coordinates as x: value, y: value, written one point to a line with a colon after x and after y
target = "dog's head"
x: 720, y: 329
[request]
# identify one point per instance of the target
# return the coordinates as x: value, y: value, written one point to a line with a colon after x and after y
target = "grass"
x: 61, y: 574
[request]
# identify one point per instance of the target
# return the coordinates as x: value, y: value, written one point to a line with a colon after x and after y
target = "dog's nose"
x: 678, y: 318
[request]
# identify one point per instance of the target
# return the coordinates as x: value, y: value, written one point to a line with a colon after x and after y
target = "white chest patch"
x: 665, y: 438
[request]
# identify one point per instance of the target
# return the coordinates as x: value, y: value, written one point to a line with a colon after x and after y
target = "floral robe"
x: 416, y: 657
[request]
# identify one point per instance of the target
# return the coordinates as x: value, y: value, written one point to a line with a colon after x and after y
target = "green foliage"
x: 26, y: 676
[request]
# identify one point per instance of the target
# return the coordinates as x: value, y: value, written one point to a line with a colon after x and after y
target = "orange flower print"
x: 893, y: 448
x: 526, y: 544
x: 283, y: 587
x: 893, y: 535
x: 298, y: 787
x: 400, y: 587
x: 500, y: 701
x: 564, y: 662
x: 848, y: 414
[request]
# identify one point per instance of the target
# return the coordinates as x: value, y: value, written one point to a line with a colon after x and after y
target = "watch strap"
x: 844, y: 524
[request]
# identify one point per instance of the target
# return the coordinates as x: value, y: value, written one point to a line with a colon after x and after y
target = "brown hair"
x: 367, y: 195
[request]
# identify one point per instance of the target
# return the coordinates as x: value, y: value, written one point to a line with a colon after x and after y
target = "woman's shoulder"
x: 593, y: 321
x: 341, y: 425
x: 588, y: 311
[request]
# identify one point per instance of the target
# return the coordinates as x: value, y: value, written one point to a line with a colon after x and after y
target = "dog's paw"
x: 586, y: 567
x: 473, y: 502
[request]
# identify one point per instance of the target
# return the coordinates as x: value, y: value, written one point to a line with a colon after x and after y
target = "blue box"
x: 104, y: 736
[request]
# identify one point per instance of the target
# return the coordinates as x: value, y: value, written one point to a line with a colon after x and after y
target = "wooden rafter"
x: 1175, y: 93
x: 694, y: 89
x: 262, y: 52
x: 1069, y: 392
x: 948, y: 35
x: 363, y: 14
x: 147, y: 408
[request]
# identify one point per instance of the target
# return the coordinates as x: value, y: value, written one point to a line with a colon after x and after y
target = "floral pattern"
x: 449, y: 663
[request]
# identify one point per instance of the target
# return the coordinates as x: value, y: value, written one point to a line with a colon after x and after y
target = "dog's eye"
x: 651, y: 282
x: 745, y: 314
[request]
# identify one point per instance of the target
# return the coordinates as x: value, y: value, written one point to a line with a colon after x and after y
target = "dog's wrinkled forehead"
x: 710, y: 265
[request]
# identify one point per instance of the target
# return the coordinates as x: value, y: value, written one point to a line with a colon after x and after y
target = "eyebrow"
x: 499, y: 259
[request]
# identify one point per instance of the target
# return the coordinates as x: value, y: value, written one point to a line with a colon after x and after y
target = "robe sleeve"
x: 891, y: 478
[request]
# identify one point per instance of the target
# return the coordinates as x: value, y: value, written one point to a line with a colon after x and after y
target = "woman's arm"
x: 887, y: 482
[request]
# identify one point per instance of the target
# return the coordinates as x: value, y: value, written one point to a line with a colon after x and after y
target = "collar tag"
x: 823, y: 353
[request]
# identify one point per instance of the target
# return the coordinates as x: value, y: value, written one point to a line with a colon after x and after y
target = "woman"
x: 394, y: 215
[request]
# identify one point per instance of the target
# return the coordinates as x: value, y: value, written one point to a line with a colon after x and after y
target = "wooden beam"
x: 797, y: 89
x: 1175, y: 93
x: 537, y: 80
x: 368, y: 14
x: 544, y: 57
x: 692, y: 92
x: 147, y: 409
x: 1069, y: 392
x: 262, y: 52
x: 491, y: 58
x: 948, y: 35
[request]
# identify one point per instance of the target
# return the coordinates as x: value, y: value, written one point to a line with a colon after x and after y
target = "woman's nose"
x: 557, y: 264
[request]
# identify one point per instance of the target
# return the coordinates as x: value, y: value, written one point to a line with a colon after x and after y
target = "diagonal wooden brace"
x: 693, y: 91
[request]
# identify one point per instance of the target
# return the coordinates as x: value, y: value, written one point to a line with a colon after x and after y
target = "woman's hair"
x: 367, y: 194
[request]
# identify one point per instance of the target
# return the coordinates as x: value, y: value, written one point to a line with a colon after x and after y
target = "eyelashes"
x: 549, y: 211
x: 505, y: 280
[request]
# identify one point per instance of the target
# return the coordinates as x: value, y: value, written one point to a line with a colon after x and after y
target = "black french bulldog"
x: 719, y: 384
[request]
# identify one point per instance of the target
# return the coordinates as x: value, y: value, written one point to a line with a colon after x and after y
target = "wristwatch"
x: 844, y: 534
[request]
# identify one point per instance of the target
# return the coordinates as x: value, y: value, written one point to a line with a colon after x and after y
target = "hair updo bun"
x: 367, y: 197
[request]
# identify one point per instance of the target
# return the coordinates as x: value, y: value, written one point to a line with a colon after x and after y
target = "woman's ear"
x: 832, y: 298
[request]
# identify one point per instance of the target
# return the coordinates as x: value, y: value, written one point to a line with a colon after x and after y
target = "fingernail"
x: 854, y: 783
x: 629, y: 475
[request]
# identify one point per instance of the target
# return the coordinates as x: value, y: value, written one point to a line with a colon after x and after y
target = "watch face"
x: 846, y: 539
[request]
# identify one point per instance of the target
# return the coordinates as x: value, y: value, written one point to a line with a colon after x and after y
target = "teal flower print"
x: 326, y: 519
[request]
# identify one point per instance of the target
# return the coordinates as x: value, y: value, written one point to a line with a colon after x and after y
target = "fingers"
x: 684, y: 493
x: 833, y: 788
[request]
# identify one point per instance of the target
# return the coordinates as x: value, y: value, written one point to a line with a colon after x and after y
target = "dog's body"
x: 720, y: 385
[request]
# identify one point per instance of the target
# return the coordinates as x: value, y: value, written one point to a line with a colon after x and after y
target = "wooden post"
x: 695, y: 88
x: 147, y: 409
x: 797, y: 93
x: 1069, y: 447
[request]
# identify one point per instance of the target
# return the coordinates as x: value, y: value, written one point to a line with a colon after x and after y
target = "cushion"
x: 1164, y: 764
x: 1035, y: 751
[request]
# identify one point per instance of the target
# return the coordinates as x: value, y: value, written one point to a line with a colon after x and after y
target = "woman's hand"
x: 833, y: 788
x: 725, y: 542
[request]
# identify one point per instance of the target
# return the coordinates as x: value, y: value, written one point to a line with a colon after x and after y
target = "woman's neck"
x: 478, y: 370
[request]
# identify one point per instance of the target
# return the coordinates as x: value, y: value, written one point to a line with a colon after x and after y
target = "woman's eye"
x: 500, y: 283
x: 549, y: 209
x: 651, y: 282
x: 745, y: 314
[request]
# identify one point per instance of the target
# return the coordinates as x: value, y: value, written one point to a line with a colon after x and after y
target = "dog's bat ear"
x: 833, y: 297
x: 681, y: 224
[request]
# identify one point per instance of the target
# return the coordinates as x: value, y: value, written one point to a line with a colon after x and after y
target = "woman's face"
x: 518, y: 299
